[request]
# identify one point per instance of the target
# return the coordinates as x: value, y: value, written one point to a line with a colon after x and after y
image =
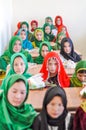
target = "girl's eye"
x: 14, y: 91
x: 23, y: 93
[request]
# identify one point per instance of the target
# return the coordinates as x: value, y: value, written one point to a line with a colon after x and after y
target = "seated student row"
x: 55, y: 29
x: 45, y: 33
x: 54, y: 112
x: 53, y: 72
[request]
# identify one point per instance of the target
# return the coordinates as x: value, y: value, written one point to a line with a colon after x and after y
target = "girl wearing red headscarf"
x: 53, y: 71
x: 34, y: 25
x: 60, y: 26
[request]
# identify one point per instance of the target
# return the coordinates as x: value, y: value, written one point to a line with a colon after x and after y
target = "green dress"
x: 5, y: 58
x: 75, y: 82
x: 15, y: 118
x: 40, y: 58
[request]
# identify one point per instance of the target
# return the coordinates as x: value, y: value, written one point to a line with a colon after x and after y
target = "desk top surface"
x: 34, y: 69
x: 73, y: 96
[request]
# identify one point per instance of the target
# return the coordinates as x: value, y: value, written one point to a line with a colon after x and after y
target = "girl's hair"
x: 82, y: 71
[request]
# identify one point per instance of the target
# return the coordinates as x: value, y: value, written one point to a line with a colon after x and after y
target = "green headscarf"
x: 75, y: 82
x: 11, y: 71
x: 15, y: 118
x: 48, y: 37
x: 58, y: 38
x: 5, y: 58
x: 24, y: 22
x: 27, y: 75
x: 40, y: 58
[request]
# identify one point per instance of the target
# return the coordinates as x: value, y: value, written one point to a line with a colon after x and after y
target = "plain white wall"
x: 72, y: 12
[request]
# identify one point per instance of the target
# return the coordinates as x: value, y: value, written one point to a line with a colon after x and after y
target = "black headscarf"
x: 46, y: 119
x: 73, y: 55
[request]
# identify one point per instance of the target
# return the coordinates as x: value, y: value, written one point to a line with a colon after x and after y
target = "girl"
x: 53, y: 71
x: 50, y: 21
x: 34, y: 25
x: 15, y: 113
x: 79, y: 122
x: 38, y: 37
x: 15, y: 45
x: 67, y: 53
x: 54, y: 114
x: 47, y: 33
x: 25, y: 26
x: 80, y: 74
x: 26, y: 44
x: 18, y: 27
x: 43, y: 50
x: 59, y: 25
x: 18, y: 65
x: 59, y: 38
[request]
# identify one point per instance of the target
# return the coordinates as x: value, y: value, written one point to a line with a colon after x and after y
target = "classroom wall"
x: 73, y: 13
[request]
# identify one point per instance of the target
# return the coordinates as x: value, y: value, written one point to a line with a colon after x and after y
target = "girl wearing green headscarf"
x: 48, y: 36
x: 18, y: 65
x: 60, y: 36
x: 15, y: 45
x: 79, y: 77
x: 25, y: 25
x: 38, y: 37
x: 44, y: 49
x: 14, y: 113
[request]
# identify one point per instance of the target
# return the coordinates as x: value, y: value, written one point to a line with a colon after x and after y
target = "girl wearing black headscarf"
x: 54, y: 114
x: 67, y: 53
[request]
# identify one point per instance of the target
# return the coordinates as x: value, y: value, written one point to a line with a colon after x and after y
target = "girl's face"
x: 39, y: 35
x: 17, y: 93
x: 34, y: 26
x: 47, y: 29
x: 17, y: 47
x: 23, y: 35
x: 44, y: 50
x: 67, y: 47
x: 19, y: 65
x: 58, y: 21
x: 81, y: 77
x: 63, y: 30
x: 49, y: 21
x: 24, y: 26
x: 60, y: 38
x: 52, y: 67
x: 55, y: 107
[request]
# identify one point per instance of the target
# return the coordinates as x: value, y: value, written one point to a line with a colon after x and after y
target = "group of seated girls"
x: 51, y: 33
x: 15, y: 113
x: 48, y: 32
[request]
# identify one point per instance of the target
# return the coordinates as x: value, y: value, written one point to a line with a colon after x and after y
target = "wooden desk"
x: 34, y: 52
x: 74, y: 99
x: 34, y: 69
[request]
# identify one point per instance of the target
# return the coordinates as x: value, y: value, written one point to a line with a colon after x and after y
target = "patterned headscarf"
x: 62, y: 77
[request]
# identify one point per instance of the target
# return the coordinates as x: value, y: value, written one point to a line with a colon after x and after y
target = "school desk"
x: 73, y: 96
x: 34, y: 53
x: 35, y: 68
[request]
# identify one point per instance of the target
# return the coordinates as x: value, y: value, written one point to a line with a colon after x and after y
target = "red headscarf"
x: 62, y: 77
x: 59, y: 27
x: 18, y: 27
x: 33, y: 21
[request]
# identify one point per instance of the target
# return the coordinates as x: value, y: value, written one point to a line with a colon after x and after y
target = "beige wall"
x: 73, y: 13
